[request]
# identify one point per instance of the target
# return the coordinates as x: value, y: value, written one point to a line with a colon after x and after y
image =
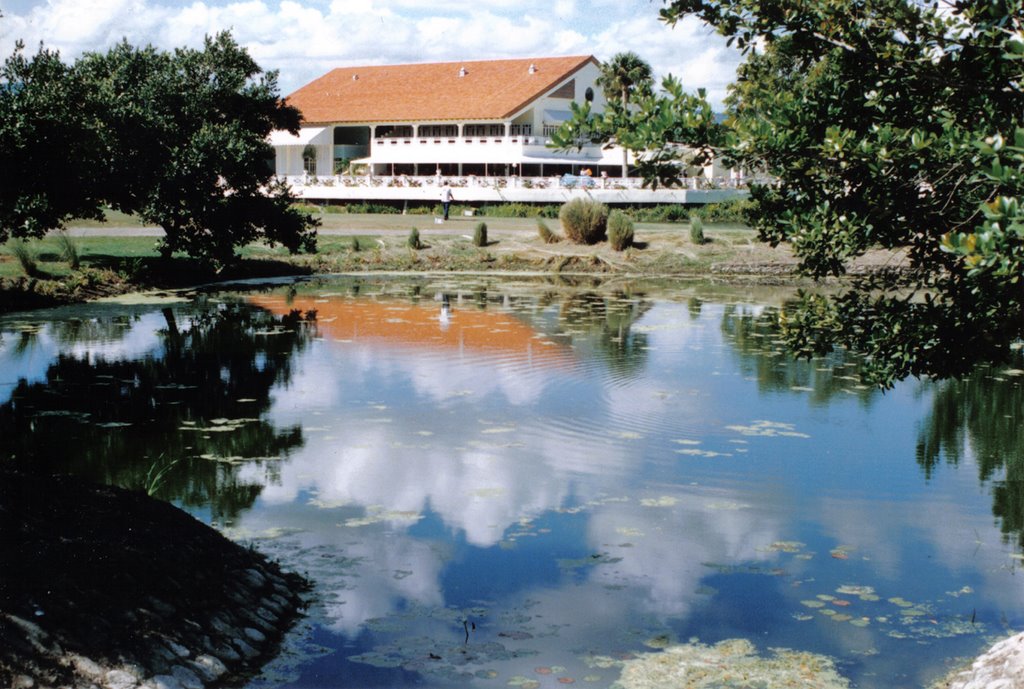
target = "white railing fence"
x: 510, y: 182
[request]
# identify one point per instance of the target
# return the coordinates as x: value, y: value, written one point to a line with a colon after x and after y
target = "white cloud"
x: 302, y: 40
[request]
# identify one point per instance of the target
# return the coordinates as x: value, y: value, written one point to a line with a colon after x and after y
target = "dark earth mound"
x: 105, y: 587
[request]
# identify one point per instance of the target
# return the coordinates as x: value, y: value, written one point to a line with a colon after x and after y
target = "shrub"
x: 620, y: 230
x: 356, y: 248
x: 727, y: 211
x: 68, y: 250
x: 546, y: 234
x: 480, y: 234
x: 304, y: 208
x: 697, y: 229
x: 25, y: 257
x: 666, y: 213
x: 380, y: 208
x: 673, y: 213
x: 520, y: 210
x: 414, y: 239
x: 585, y: 221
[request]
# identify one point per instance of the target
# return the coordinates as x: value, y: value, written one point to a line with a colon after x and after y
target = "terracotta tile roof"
x: 490, y: 90
x: 400, y: 324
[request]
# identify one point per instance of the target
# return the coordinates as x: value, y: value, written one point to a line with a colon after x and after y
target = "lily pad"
x: 787, y: 546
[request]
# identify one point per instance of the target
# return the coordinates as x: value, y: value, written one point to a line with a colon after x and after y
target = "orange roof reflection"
x: 398, y: 323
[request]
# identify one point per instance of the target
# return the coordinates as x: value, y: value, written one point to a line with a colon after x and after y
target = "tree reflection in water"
x: 982, y: 416
x: 606, y: 321
x: 188, y: 412
x: 756, y: 339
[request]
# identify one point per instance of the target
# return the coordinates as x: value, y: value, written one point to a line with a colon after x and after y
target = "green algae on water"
x: 727, y: 664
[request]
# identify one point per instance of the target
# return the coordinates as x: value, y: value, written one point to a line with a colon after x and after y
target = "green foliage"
x: 651, y: 125
x: 68, y: 250
x: 366, y: 207
x: 995, y: 248
x: 885, y: 124
x: 726, y: 211
x: 521, y: 210
x: 584, y: 221
x: 356, y: 247
x: 480, y: 234
x: 157, y: 474
x: 434, y: 210
x: 26, y: 258
x: 697, y: 229
x: 414, y: 239
x: 546, y: 234
x: 623, y: 78
x: 620, y: 230
x: 665, y: 213
x: 50, y: 148
x: 179, y: 139
x: 738, y: 211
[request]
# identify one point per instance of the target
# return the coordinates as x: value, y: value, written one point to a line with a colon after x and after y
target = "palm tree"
x: 625, y: 75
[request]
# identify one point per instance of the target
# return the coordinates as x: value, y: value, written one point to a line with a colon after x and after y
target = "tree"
x: 49, y: 148
x: 623, y: 78
x: 187, y: 134
x: 178, y: 138
x: 653, y: 127
x: 882, y: 123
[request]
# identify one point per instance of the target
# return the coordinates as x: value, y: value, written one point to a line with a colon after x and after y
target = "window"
x: 309, y: 159
x: 566, y: 90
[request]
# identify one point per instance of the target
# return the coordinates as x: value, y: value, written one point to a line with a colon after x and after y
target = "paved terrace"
x: 473, y: 189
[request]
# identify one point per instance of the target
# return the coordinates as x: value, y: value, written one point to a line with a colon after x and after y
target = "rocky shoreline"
x: 1000, y: 667
x: 107, y: 588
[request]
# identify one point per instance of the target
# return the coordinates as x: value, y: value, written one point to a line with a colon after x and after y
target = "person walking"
x: 446, y: 198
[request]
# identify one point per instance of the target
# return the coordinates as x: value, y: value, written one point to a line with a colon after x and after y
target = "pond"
x: 497, y: 482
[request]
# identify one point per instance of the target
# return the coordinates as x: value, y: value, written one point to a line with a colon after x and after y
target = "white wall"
x: 585, y: 77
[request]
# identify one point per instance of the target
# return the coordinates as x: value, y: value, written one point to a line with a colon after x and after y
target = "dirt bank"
x: 103, y: 587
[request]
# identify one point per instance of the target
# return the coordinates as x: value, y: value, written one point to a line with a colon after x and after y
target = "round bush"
x: 585, y: 221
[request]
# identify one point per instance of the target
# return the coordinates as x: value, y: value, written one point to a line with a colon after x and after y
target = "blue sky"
x: 302, y: 39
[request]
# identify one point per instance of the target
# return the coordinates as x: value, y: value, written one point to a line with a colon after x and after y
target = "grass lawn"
x: 662, y: 248
x: 116, y: 258
x: 114, y: 253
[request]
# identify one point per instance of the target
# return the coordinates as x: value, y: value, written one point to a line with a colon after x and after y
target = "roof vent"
x: 355, y: 77
x: 533, y: 68
x: 462, y: 71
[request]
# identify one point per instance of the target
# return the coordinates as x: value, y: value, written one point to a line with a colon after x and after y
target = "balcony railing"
x: 513, y: 182
x: 525, y: 139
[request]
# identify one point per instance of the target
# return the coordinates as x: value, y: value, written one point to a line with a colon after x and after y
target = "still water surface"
x: 498, y: 483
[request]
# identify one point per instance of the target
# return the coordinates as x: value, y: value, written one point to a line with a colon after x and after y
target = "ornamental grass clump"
x: 68, y: 250
x: 620, y: 230
x: 480, y: 234
x: 697, y: 229
x: 25, y: 257
x: 414, y: 239
x: 546, y: 235
x: 585, y: 221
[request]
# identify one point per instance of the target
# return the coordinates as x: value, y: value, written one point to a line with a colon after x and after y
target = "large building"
x: 394, y: 132
x: 490, y: 117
